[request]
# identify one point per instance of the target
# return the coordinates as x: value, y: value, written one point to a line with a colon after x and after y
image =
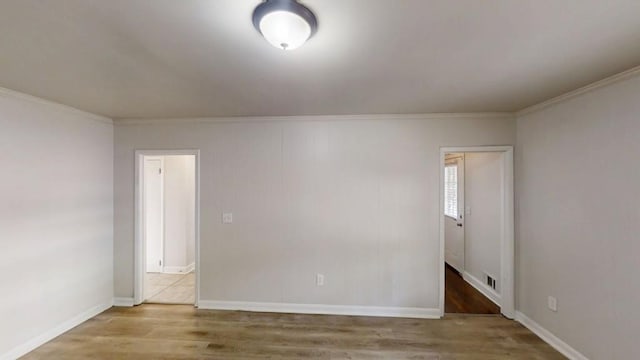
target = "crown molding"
x: 633, y: 72
x: 53, y: 105
x: 170, y: 121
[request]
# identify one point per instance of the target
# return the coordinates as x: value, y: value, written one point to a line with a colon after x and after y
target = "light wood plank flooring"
x: 182, y: 332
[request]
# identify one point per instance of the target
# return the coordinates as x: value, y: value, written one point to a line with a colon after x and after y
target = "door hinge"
x: 159, y: 171
x: 160, y: 262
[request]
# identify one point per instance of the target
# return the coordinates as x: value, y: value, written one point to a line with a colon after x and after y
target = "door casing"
x: 507, y: 239
x: 139, y: 250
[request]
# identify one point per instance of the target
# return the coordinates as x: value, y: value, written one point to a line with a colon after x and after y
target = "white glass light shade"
x: 285, y: 30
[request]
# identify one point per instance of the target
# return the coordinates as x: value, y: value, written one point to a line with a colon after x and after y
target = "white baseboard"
x: 401, y: 312
x: 179, y: 269
x: 123, y: 301
x: 41, y: 339
x: 564, y: 348
x: 484, y: 289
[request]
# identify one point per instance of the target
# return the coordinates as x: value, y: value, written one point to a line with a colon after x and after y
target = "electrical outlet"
x: 319, y: 280
x: 227, y: 218
x: 552, y: 303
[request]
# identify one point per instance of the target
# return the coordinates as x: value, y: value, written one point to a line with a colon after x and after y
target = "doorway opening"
x: 476, y: 234
x: 167, y: 235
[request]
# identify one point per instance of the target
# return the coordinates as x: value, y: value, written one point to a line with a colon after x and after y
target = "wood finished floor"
x: 183, y: 332
x: 460, y: 297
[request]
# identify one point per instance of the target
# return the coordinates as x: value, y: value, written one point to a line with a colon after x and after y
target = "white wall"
x: 483, y: 227
x: 354, y: 198
x: 56, y: 219
x: 579, y: 219
x: 179, y: 195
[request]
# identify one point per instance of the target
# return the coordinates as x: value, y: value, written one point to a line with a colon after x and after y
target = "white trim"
x: 139, y: 254
x: 144, y: 121
x: 353, y: 310
x: 564, y: 348
x: 179, y: 269
x: 41, y: 339
x: 53, y: 105
x: 507, y: 255
x: 572, y: 94
x: 442, y: 255
x: 482, y: 287
x: 123, y: 301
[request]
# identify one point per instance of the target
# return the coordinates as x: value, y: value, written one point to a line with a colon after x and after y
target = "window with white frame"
x: 451, y: 190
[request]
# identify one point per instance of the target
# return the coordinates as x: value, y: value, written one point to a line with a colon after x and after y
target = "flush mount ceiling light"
x: 285, y: 24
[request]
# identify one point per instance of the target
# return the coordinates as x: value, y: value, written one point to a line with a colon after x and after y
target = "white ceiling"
x: 188, y: 58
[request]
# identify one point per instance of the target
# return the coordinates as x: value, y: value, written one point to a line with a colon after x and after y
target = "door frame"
x: 507, y: 239
x: 144, y: 218
x: 139, y: 245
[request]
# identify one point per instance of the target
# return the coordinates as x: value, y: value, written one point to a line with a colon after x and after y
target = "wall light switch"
x: 552, y: 303
x: 227, y: 218
x: 320, y: 280
x: 467, y: 210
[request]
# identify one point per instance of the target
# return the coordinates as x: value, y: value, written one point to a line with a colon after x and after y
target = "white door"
x: 454, y: 213
x: 153, y: 213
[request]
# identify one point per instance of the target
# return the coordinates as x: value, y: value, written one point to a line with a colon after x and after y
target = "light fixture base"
x: 274, y: 12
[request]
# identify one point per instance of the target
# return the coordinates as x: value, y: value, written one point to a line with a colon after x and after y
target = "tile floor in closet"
x: 170, y: 288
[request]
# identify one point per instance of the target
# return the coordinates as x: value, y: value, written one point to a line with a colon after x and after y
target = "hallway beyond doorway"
x: 461, y: 297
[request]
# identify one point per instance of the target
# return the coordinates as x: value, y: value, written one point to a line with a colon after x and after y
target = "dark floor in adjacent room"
x: 460, y: 297
x: 183, y: 332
